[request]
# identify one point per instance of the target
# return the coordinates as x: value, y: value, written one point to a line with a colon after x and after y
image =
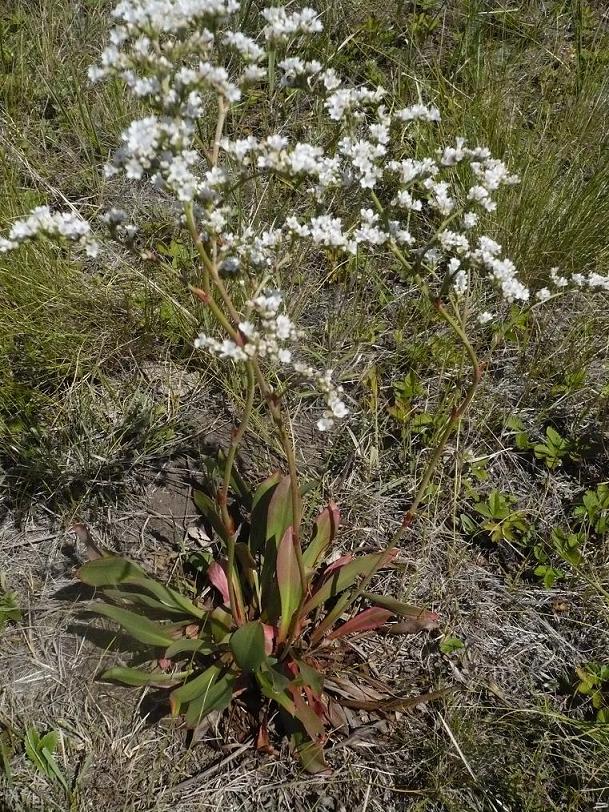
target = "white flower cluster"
x: 264, y: 334
x: 281, y: 25
x: 57, y: 225
x: 593, y: 281
x: 359, y: 184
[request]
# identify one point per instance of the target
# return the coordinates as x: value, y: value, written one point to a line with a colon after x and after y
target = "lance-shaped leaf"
x: 369, y: 619
x: 260, y: 509
x: 217, y: 698
x: 40, y: 752
x: 426, y: 619
x: 248, y: 646
x: 336, y: 565
x: 137, y: 678
x: 288, y: 581
x: 309, y: 752
x: 139, y: 627
x: 134, y: 597
x: 194, y: 688
x: 209, y: 509
x: 279, y: 516
x: 310, y: 676
x: 306, y: 715
x: 278, y: 519
x: 187, y: 645
x: 217, y: 577
x: 115, y: 572
x: 342, y: 579
x: 324, y: 531
x: 275, y: 689
x: 333, y: 615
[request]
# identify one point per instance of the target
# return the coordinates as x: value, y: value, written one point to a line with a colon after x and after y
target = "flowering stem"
x: 453, y: 420
x: 269, y: 395
x: 236, y: 598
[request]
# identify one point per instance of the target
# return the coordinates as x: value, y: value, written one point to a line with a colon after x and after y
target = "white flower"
x: 460, y: 282
x: 485, y: 317
x: 543, y: 295
x: 418, y: 112
x: 281, y: 25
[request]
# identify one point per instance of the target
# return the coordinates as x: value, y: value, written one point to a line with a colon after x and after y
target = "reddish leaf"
x: 340, y: 562
x: 365, y: 621
x: 288, y: 581
x: 347, y: 575
x: 307, y: 716
x: 263, y: 742
x: 324, y: 531
x: 279, y: 517
x: 423, y: 617
x: 217, y: 577
x: 269, y: 638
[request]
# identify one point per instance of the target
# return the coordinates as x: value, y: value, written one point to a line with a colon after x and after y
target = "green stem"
x: 452, y: 423
x: 267, y: 391
x: 236, y: 598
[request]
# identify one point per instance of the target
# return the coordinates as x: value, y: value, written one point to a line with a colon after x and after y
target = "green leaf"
x: 216, y: 698
x: 134, y: 598
x: 273, y: 689
x: 450, y: 644
x: 187, y: 645
x: 279, y: 516
x: 344, y: 577
x: 115, y: 571
x: 209, y: 509
x: 247, y: 645
x: 139, y: 627
x: 194, y: 688
x: 260, y: 509
x: 9, y: 606
x: 311, y: 756
x: 40, y: 753
x: 136, y: 678
x: 428, y: 619
x: 324, y: 531
x: 288, y: 581
x: 555, y: 438
x: 310, y: 676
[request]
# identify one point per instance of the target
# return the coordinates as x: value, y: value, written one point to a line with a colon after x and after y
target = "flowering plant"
x: 359, y: 186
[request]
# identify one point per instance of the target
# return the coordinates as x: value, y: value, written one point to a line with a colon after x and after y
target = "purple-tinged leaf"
x: 288, y: 581
x: 217, y: 577
x: 324, y: 531
x: 342, y: 579
x: 336, y: 565
x: 365, y: 621
x: 425, y: 618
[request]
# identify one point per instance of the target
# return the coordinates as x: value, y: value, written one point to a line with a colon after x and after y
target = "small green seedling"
x: 554, y: 450
x: 9, y: 606
x: 567, y: 545
x: 503, y: 523
x: 451, y: 644
x: 545, y: 570
x: 594, y: 509
x: 39, y: 749
x: 516, y: 427
x: 594, y: 682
